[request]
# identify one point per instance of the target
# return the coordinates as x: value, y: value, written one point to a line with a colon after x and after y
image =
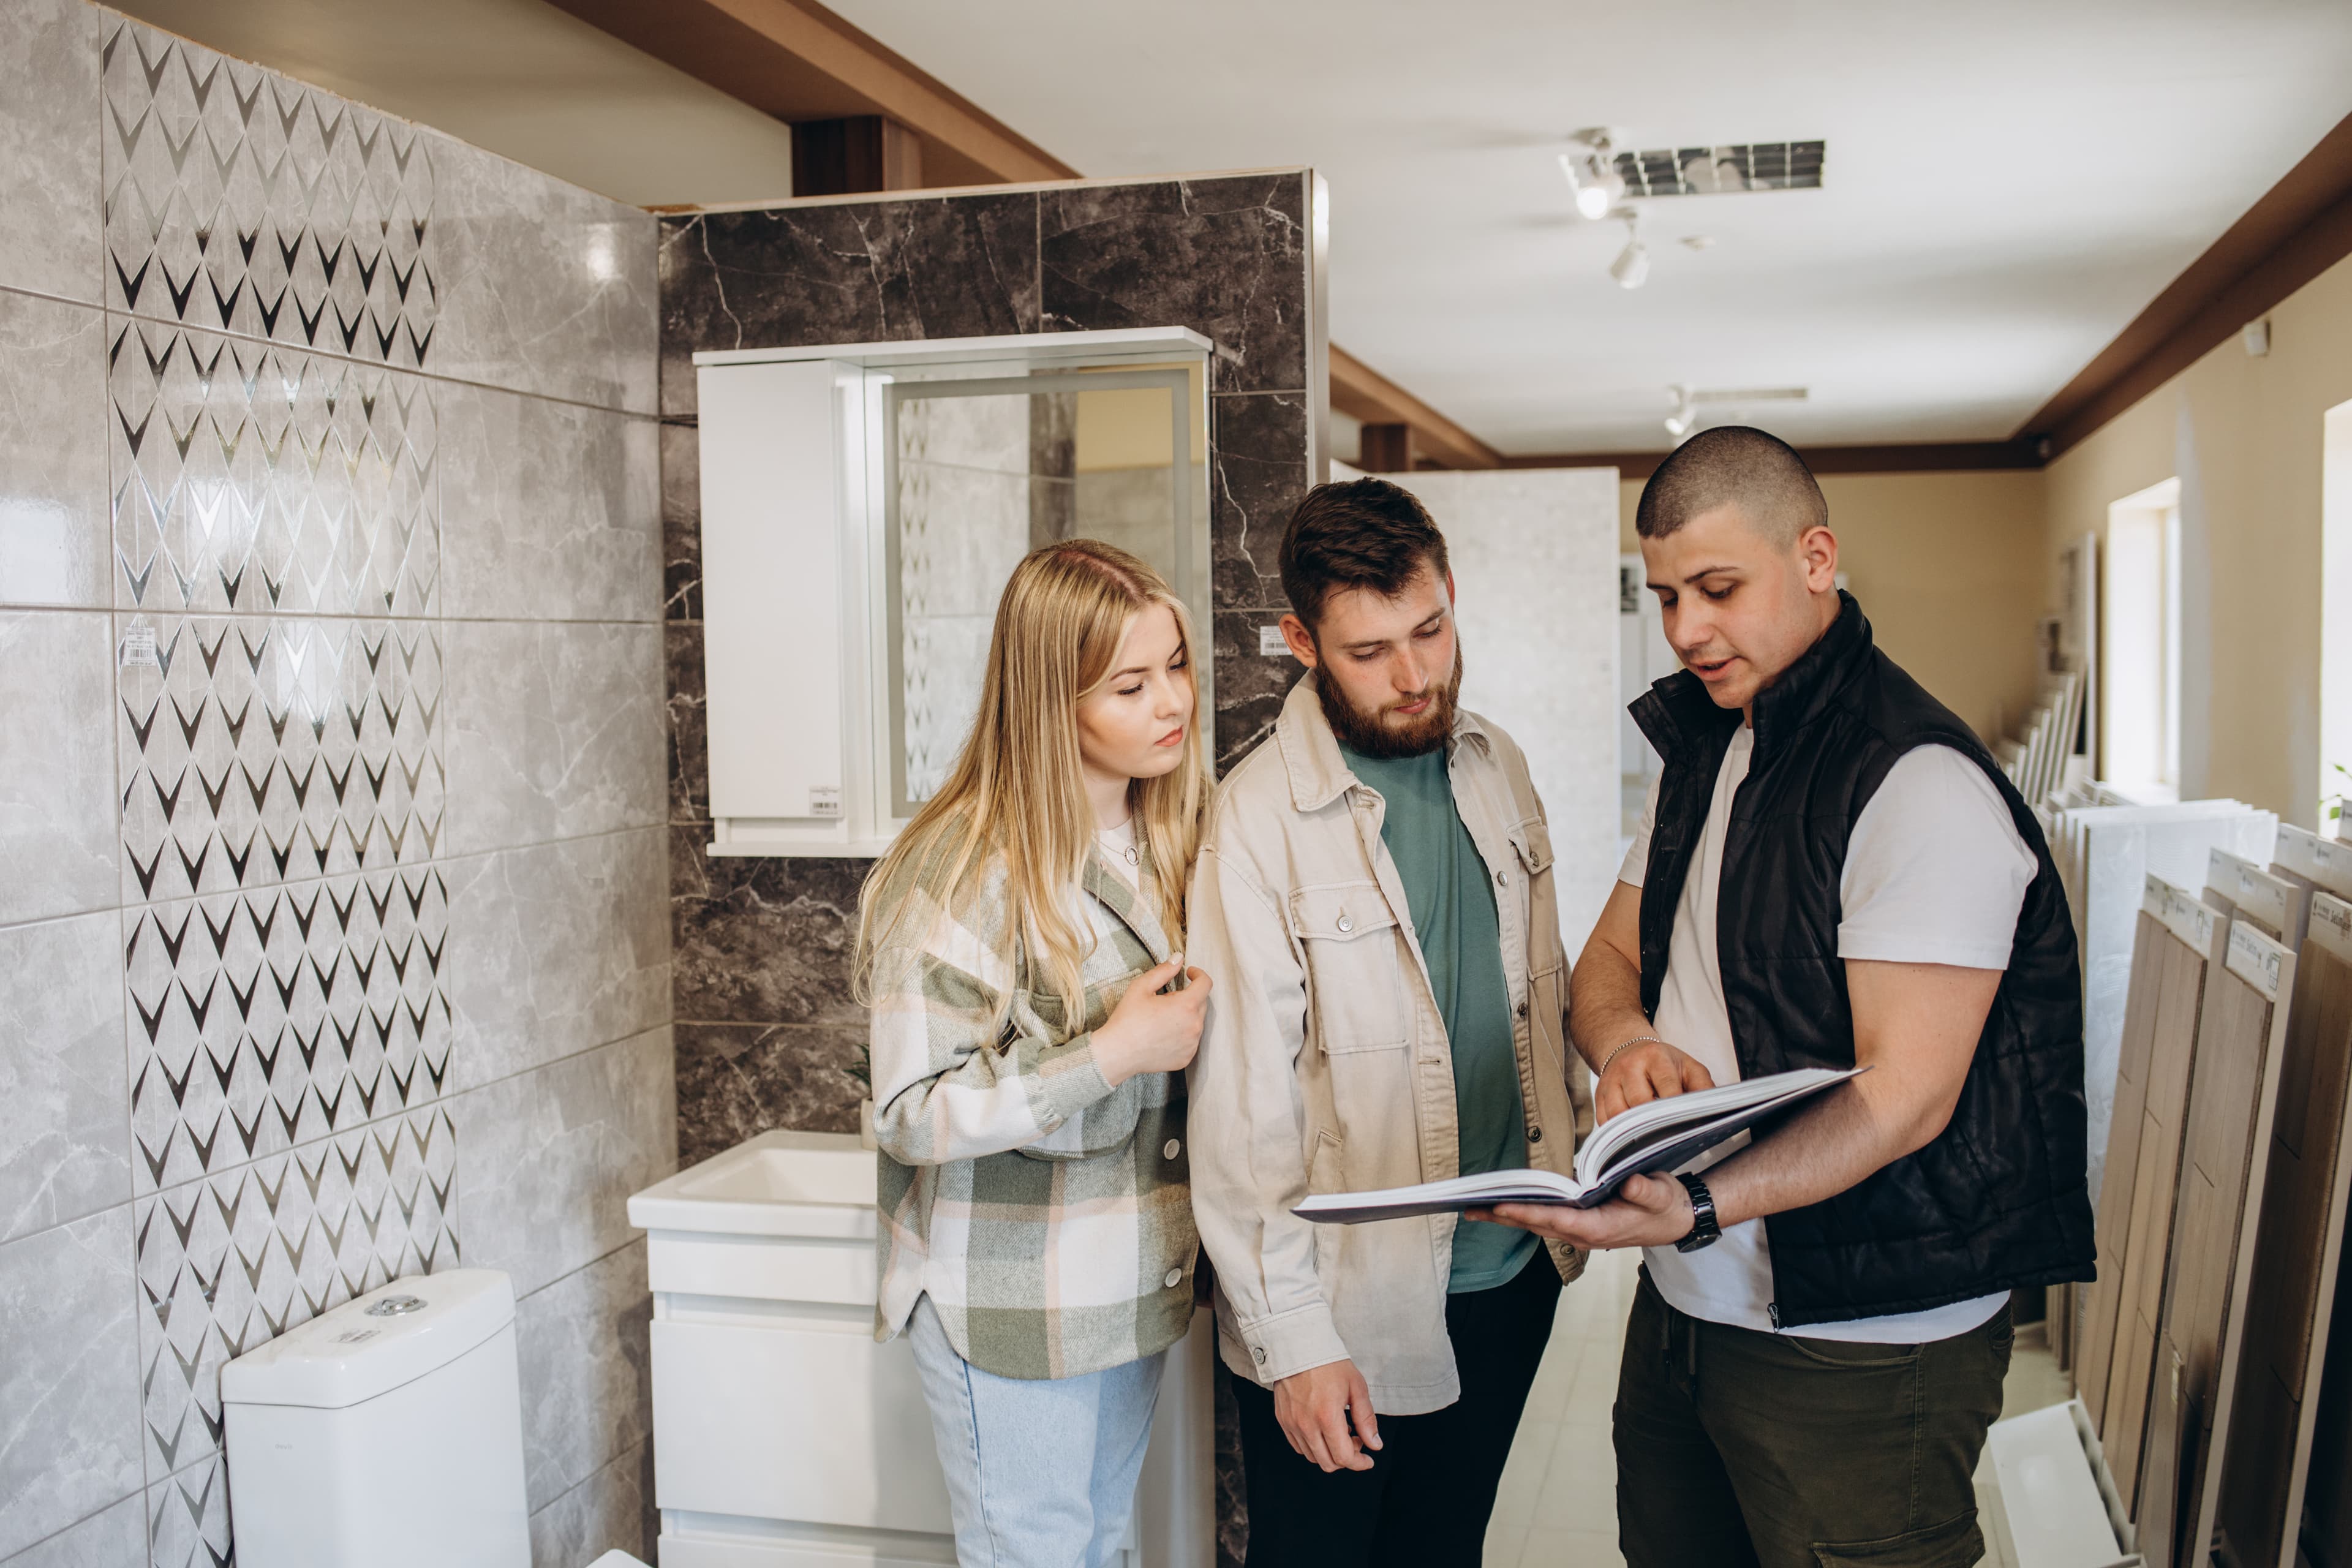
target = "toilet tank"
x: 385, y: 1433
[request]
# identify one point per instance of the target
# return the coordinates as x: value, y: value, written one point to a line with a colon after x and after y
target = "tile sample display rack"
x: 2178, y: 936
x: 2225, y: 1169
x: 2265, y: 1463
x: 2187, y: 950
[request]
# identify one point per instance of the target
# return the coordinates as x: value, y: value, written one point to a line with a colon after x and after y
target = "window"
x: 2140, y: 655
x: 2335, y: 625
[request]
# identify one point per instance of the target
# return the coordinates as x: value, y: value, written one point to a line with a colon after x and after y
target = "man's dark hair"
x: 1365, y: 533
x: 1739, y: 464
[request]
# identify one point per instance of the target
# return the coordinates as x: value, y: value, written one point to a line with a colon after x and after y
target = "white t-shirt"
x: 1935, y: 873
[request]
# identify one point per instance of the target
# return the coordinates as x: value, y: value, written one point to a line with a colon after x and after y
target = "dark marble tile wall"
x: 766, y: 1026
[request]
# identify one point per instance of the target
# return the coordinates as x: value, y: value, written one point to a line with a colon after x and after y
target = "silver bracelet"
x: 1612, y: 1055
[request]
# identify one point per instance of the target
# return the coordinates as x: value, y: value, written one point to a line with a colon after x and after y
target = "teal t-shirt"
x: 1452, y: 900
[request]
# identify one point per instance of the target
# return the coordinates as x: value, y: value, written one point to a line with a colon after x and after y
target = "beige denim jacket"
x: 1325, y: 1065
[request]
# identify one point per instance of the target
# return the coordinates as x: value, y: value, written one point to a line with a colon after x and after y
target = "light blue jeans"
x: 1041, y: 1472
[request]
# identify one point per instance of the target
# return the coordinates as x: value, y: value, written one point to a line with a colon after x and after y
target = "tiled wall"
x: 332, y: 850
x: 766, y: 1024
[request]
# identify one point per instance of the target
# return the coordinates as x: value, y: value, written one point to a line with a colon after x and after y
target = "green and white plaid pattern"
x: 1046, y: 1214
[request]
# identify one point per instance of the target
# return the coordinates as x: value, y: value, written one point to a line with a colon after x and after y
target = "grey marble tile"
x: 113, y: 1537
x: 548, y: 510
x: 252, y: 751
x: 555, y: 730
x: 689, y: 737
x: 263, y: 478
x: 1226, y: 257
x: 738, y: 1080
x: 271, y: 1017
x: 587, y: 1371
x: 49, y: 147
x: 560, y: 947
x: 65, y: 1149
x: 55, y: 529
x: 849, y: 272
x: 331, y: 206
x: 1257, y: 475
x: 681, y: 491
x: 1251, y: 686
x: 762, y: 939
x: 58, y: 839
x: 611, y: 1510
x: 545, y: 288
x: 552, y: 1156
x: 69, y: 1380
x: 231, y: 1261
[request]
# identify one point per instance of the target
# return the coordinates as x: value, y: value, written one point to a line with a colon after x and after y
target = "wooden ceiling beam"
x: 2299, y: 228
x: 1364, y: 394
x: 797, y: 60
x: 1917, y: 458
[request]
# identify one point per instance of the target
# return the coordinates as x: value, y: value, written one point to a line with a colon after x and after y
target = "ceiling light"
x: 1590, y: 167
x: 1632, y: 268
x: 1698, y: 241
x: 1685, y: 416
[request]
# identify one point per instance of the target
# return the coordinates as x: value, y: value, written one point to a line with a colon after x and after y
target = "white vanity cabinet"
x: 784, y: 1436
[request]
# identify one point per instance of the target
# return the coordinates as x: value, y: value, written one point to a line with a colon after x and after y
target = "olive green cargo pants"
x: 1741, y: 1449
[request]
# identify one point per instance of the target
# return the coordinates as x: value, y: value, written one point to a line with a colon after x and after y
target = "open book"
x: 1662, y: 1135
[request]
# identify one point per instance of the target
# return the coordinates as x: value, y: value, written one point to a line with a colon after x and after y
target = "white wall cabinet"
x: 861, y: 505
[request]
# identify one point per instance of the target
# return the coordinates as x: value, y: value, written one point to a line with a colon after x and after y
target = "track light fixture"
x: 1591, y: 165
x: 1685, y: 414
x: 1632, y: 268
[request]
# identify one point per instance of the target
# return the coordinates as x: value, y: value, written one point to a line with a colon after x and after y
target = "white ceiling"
x: 2008, y: 184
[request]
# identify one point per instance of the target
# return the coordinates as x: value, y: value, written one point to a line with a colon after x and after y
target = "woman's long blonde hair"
x: 1018, y: 790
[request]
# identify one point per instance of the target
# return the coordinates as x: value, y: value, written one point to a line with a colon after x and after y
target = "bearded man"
x: 1374, y: 896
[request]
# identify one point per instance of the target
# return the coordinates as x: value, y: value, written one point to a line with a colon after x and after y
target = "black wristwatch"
x: 1704, y: 1231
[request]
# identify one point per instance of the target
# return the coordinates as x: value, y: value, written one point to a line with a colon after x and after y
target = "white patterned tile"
x: 232, y: 1261
x: 253, y: 750
x: 263, y: 1019
x: 239, y: 199
x: 188, y: 1517
x: 252, y: 477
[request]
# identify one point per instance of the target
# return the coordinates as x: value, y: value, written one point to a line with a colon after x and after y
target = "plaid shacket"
x: 1047, y: 1215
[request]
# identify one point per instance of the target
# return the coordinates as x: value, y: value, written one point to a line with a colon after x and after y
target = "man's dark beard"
x: 1381, y: 736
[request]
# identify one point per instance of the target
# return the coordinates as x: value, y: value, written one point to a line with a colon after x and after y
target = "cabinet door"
x: 794, y: 1424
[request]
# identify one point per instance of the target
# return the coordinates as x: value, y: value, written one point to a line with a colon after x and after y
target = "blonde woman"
x: 1018, y: 947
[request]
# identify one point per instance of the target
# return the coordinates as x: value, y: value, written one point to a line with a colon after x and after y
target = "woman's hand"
x: 1149, y: 1032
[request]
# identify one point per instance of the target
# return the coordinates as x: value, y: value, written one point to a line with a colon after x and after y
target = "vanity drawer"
x: 762, y: 1267
x: 825, y: 1427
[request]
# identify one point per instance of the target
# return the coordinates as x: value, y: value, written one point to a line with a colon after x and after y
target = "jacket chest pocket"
x: 1355, y: 962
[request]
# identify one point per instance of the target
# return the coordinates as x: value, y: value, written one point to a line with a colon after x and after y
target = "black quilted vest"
x: 1999, y: 1199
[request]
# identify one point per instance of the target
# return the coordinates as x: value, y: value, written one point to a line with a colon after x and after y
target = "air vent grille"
x: 1721, y: 171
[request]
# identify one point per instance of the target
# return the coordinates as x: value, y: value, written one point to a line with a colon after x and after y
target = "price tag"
x: 824, y: 800
x: 138, y: 651
x: 1270, y: 644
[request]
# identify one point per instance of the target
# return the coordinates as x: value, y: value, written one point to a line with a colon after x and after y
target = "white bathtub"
x: 784, y: 1436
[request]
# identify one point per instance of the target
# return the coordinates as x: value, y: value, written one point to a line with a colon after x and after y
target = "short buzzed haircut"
x: 1365, y: 533
x: 1732, y: 464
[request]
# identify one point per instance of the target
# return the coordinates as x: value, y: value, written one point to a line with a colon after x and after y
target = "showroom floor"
x: 1556, y: 1508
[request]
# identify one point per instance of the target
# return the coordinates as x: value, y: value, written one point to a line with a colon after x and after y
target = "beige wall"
x: 2245, y: 437
x: 1949, y: 568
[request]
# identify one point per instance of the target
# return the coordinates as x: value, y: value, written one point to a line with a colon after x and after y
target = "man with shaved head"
x: 1832, y: 872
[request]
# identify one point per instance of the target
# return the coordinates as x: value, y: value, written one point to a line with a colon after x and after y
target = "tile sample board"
x: 2267, y: 1460
x: 2224, y: 1171
x: 2189, y: 954
x: 2093, y: 1355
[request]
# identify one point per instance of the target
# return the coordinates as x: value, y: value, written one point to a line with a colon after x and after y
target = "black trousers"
x: 1426, y: 1498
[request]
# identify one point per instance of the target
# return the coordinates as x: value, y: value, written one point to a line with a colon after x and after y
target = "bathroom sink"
x: 779, y: 1183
